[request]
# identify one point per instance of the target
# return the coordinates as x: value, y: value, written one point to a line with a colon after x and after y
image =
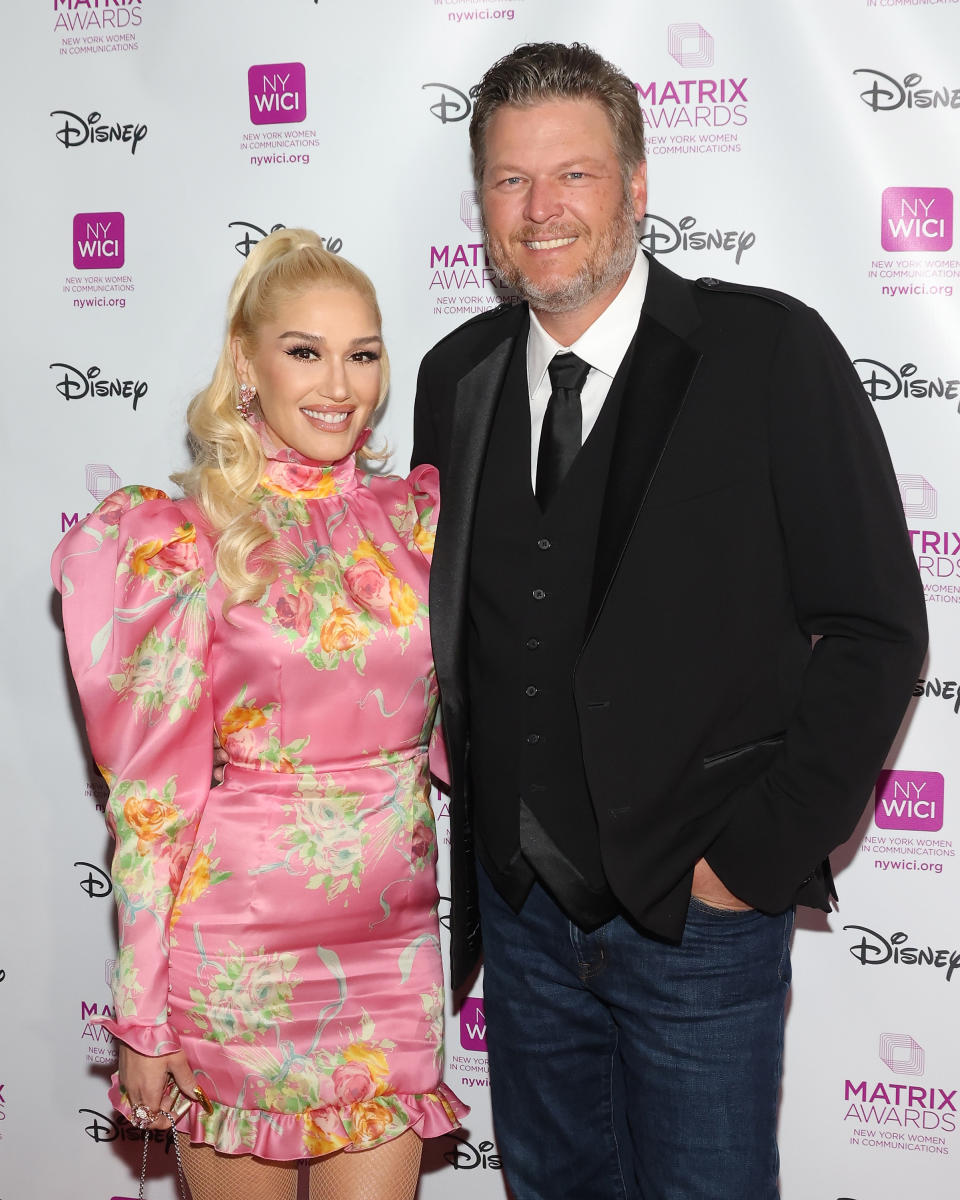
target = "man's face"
x: 559, y: 221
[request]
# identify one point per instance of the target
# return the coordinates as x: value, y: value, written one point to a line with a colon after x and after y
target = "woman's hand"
x: 144, y: 1078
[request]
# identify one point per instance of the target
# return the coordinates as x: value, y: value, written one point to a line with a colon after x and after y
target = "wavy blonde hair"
x: 228, y: 459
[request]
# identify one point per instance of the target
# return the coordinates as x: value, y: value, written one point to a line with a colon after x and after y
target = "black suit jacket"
x: 751, y: 509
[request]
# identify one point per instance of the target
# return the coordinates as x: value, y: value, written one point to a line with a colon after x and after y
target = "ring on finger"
x: 143, y: 1117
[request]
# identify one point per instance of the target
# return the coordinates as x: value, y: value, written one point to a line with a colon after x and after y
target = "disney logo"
x: 77, y: 384
x: 881, y: 382
x: 106, y: 1129
x: 77, y: 131
x: 248, y: 240
x: 663, y: 237
x: 948, y: 689
x: 881, y: 950
x: 97, y: 882
x: 453, y: 105
x: 466, y: 1157
x: 886, y: 93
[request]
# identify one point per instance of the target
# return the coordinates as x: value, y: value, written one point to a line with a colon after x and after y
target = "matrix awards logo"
x: 102, y: 481
x: 72, y: 15
x: 695, y: 115
x: 882, y: 382
x: 690, y: 44
x: 937, y: 552
x: 473, y: 1025
x: 448, y: 103
x: 662, y: 236
x: 910, y: 800
x: 893, y: 1114
x: 884, y: 93
x: 98, y: 241
x: 901, y: 1054
x: 278, y: 93
x: 917, y: 495
x: 77, y: 384
x: 463, y: 281
x: 92, y: 130
x: 916, y: 219
x: 98, y: 1043
x: 470, y: 213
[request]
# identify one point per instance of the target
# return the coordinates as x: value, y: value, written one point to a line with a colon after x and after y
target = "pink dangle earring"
x: 248, y: 394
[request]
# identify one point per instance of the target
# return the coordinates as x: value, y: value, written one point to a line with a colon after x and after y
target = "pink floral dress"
x: 280, y: 928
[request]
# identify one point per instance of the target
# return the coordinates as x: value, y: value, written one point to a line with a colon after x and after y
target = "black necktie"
x: 562, y: 432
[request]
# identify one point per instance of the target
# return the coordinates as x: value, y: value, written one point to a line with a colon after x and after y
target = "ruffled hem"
x: 282, y: 1137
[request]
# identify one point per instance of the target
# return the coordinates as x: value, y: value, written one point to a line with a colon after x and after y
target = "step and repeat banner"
x: 808, y: 146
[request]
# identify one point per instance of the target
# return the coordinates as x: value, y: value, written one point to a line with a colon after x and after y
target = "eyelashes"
x: 305, y: 353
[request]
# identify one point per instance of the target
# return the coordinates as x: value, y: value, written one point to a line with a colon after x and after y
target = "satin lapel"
x: 659, y: 373
x: 475, y: 404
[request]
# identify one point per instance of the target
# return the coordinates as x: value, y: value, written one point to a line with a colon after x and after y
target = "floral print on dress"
x: 281, y: 928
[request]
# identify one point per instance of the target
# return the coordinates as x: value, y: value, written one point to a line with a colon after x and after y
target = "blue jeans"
x: 627, y: 1068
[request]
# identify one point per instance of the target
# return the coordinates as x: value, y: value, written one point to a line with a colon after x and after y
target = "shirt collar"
x: 605, y: 342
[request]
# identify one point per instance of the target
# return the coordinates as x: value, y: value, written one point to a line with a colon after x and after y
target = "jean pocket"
x: 714, y: 910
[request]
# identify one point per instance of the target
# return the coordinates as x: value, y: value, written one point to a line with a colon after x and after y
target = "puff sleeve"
x: 424, y: 484
x: 138, y: 633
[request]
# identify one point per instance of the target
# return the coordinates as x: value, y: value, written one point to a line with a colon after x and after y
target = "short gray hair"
x: 541, y: 71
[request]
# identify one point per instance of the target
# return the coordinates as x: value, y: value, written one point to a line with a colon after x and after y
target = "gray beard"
x: 610, y: 261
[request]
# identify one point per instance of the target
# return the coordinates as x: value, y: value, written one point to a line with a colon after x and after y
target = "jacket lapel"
x: 662, y: 365
x: 475, y: 404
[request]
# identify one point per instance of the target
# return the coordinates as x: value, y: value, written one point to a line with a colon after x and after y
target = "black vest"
x: 530, y: 581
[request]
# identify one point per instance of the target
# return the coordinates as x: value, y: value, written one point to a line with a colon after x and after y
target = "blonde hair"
x: 228, y: 459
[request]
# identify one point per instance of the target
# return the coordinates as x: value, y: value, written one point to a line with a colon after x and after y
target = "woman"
x: 278, y: 933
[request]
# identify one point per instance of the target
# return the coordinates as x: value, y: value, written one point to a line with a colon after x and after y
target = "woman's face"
x: 316, y: 368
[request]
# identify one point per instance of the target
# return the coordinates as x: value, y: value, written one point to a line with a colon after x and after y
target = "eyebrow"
x: 319, y: 338
x: 582, y: 160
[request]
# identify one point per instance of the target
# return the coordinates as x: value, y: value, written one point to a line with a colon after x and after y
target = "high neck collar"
x: 290, y: 474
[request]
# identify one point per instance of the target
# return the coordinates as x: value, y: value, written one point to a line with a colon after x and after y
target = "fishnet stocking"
x: 387, y: 1172
x: 214, y: 1176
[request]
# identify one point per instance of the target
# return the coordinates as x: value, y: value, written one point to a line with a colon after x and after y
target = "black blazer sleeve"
x: 855, y: 586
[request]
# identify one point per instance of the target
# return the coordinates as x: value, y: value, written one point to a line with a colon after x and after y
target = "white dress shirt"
x: 603, y: 346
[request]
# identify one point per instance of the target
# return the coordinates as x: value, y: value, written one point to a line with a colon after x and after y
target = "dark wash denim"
x: 626, y: 1068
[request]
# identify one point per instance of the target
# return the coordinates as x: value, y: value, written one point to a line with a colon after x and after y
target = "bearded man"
x: 676, y: 621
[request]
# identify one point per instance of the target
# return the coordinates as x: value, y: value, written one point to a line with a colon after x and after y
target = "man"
x: 676, y: 621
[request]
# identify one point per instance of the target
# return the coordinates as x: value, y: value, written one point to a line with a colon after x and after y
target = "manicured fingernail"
x: 201, y: 1096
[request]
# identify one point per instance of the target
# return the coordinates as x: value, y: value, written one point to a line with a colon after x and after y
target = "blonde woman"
x: 279, y: 958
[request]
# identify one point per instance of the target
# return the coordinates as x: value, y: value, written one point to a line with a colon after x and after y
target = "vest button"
x: 539, y: 594
x: 532, y: 739
x: 533, y: 643
x: 531, y: 690
x: 544, y: 543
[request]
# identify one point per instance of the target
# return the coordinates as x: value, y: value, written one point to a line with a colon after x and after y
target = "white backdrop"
x: 810, y: 145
